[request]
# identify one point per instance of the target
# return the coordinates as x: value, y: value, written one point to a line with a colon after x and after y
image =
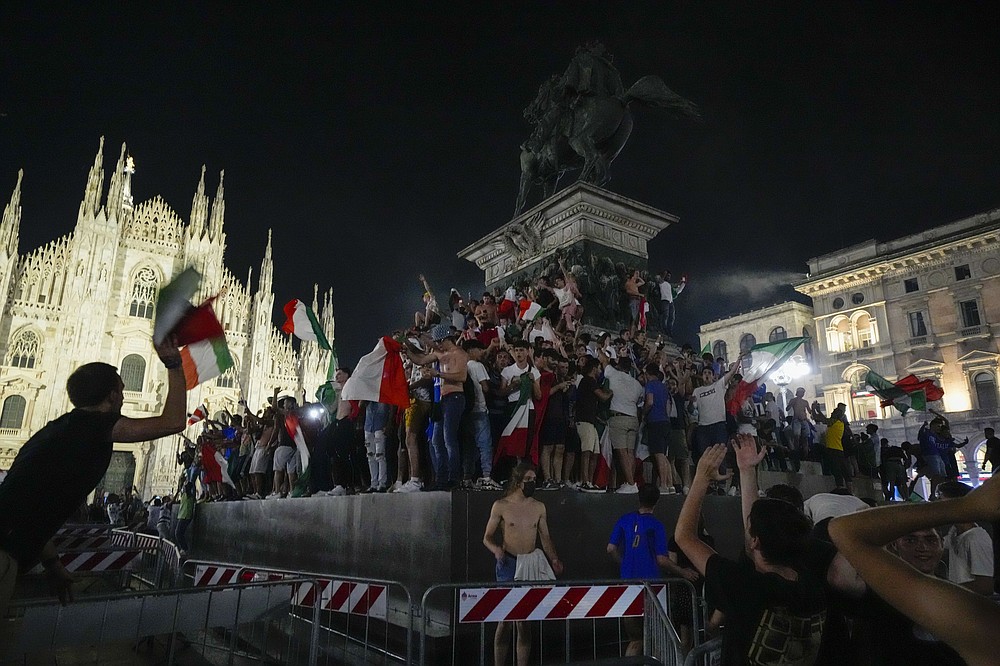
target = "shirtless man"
x: 449, y: 370
x: 799, y: 407
x: 523, y: 521
x: 632, y: 285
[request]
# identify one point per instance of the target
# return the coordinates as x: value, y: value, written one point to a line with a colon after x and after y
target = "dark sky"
x: 378, y: 140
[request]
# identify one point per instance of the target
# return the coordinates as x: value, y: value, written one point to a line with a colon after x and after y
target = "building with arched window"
x: 769, y: 324
x: 927, y: 304
x: 90, y: 295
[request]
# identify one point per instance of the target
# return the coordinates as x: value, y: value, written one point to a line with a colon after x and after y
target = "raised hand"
x: 711, y: 459
x: 747, y: 455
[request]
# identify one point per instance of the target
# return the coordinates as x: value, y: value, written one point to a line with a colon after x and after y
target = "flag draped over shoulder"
x: 519, y: 438
x: 767, y: 357
x: 301, y: 322
x: 908, y: 393
x: 379, y: 377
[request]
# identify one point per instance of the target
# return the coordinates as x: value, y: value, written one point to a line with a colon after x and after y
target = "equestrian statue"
x: 581, y: 120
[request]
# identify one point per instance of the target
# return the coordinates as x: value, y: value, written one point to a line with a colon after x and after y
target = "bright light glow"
x: 792, y: 369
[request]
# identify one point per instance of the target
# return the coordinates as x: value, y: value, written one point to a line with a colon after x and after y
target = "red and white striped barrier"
x: 82, y: 530
x: 100, y: 560
x: 343, y: 597
x: 205, y: 575
x: 500, y: 604
x: 75, y: 542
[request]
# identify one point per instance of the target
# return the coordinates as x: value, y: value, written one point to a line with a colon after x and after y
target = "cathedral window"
x: 227, y: 379
x: 12, y: 415
x: 133, y: 371
x: 143, y: 294
x: 23, y: 352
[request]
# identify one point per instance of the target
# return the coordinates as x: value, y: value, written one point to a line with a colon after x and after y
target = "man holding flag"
x: 67, y: 458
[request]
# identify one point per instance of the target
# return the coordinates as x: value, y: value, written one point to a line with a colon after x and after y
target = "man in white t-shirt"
x: 480, y: 416
x: 710, y: 398
x: 841, y: 502
x: 623, y: 424
x: 969, y: 547
x: 668, y: 292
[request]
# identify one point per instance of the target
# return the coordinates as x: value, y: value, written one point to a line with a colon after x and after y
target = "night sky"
x: 377, y: 141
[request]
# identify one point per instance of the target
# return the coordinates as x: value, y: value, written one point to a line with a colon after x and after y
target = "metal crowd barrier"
x: 610, y: 611
x: 250, y: 621
x: 706, y: 654
x: 357, y: 615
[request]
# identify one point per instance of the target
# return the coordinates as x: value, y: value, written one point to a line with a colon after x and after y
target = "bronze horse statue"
x: 582, y: 121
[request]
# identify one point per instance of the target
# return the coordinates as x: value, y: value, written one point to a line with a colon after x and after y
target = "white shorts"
x: 258, y: 463
x: 286, y: 459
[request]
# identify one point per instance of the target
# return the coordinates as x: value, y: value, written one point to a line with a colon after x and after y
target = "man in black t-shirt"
x: 588, y: 397
x: 68, y: 457
x: 775, y: 609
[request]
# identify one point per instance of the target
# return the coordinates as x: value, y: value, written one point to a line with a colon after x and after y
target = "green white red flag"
x: 767, y: 357
x: 908, y: 393
x: 301, y: 321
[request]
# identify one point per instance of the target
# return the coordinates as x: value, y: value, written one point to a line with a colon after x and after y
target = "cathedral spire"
x: 116, y: 190
x: 11, y: 223
x: 266, y: 269
x: 315, y: 305
x: 218, y: 211
x: 199, y: 209
x: 95, y: 184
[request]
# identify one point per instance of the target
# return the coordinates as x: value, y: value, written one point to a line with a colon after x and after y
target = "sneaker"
x: 273, y: 496
x: 486, y: 483
x: 686, y: 490
x: 571, y: 485
x: 591, y: 488
x: 411, y: 486
x: 465, y: 484
x: 551, y: 484
x: 627, y: 489
x: 667, y: 490
x: 733, y: 491
x: 338, y: 491
x: 254, y: 496
x: 395, y: 487
x: 369, y: 490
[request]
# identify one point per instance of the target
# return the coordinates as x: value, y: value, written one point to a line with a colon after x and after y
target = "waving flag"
x: 768, y: 357
x: 908, y: 393
x: 198, y: 414
x: 301, y: 322
x: 174, y: 302
x: 204, y: 360
x: 379, y: 377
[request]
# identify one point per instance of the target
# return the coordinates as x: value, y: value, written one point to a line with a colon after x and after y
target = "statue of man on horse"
x: 581, y: 120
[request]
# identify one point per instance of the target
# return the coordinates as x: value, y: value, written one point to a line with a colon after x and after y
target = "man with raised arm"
x: 522, y: 520
x: 67, y: 458
x: 775, y: 608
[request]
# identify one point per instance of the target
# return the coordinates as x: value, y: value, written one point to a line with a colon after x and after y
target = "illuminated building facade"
x: 926, y: 304
x: 729, y: 337
x: 89, y: 296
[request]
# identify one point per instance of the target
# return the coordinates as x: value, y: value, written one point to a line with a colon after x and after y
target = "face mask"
x: 528, y: 488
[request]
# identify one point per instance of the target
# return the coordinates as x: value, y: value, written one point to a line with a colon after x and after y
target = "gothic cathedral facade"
x: 90, y: 296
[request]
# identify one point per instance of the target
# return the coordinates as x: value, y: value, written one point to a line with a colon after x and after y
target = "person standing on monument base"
x: 632, y: 291
x: 524, y: 523
x: 451, y: 365
x: 68, y: 457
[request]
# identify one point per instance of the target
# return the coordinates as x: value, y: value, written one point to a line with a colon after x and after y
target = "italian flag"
x: 198, y: 414
x: 906, y: 394
x: 174, y: 302
x: 530, y: 310
x: 379, y: 377
x: 602, y: 470
x: 204, y: 360
x: 295, y: 432
x: 768, y: 357
x: 302, y: 323
x: 515, y: 438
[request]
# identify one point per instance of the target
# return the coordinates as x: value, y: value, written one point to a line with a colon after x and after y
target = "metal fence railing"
x: 706, y: 654
x: 250, y: 621
x: 360, y: 618
x: 568, y: 620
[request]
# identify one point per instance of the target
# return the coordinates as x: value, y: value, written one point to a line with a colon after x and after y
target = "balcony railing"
x: 918, y: 341
x: 10, y: 432
x: 972, y: 331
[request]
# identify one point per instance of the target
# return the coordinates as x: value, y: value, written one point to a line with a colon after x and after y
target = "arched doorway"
x: 121, y: 473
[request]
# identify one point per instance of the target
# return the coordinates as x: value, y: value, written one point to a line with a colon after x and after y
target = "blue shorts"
x: 506, y: 566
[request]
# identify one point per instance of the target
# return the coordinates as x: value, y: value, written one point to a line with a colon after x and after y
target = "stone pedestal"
x: 600, y: 234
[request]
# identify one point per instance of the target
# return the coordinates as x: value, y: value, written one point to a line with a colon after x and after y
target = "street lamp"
x: 791, y: 370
